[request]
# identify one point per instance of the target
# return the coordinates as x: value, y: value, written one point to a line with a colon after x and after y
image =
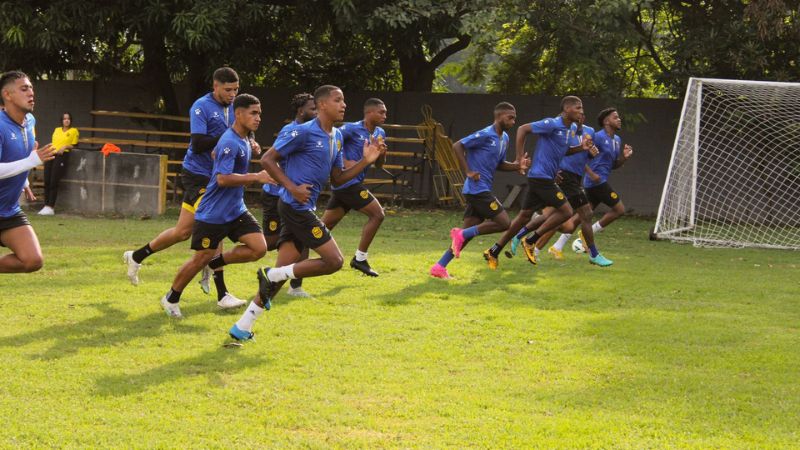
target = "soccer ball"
x: 577, y: 246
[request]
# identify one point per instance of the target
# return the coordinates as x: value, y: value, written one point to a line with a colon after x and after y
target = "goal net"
x: 734, y: 176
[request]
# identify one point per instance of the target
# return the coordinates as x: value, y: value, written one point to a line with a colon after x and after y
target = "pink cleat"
x: 457, y: 236
x: 440, y: 271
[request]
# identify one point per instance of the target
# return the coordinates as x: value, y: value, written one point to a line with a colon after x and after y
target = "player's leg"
x: 607, y: 195
x: 296, y: 285
x: 567, y: 229
x: 375, y: 215
x: 185, y: 274
x: 471, y: 219
x: 26, y: 254
x: 491, y: 254
x: 335, y: 210
x: 547, y: 194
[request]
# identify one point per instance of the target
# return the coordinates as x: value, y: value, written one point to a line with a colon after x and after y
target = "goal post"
x: 734, y: 174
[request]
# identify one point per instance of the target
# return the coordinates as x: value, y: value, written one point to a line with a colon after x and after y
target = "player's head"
x: 226, y: 85
x: 66, y: 120
x: 16, y: 92
x: 610, y: 117
x: 247, y: 110
x: 303, y: 107
x: 330, y: 102
x: 505, y: 114
x: 571, y: 107
x: 375, y: 111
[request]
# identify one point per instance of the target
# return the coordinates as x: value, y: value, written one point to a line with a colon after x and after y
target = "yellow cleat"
x: 530, y: 252
x: 490, y: 259
x: 583, y: 242
x: 557, y: 254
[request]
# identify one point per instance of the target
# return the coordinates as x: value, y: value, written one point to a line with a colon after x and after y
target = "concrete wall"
x: 649, y: 124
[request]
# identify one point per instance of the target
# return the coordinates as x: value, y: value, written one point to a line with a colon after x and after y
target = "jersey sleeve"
x: 74, y: 139
x: 473, y: 141
x: 198, y: 122
x: 226, y: 154
x: 544, y: 126
x: 289, y: 141
x: 338, y: 159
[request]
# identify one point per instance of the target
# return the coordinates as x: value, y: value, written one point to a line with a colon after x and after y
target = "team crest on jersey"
x: 364, y: 194
x: 560, y: 195
x: 614, y: 195
x: 273, y: 225
x: 493, y: 206
x: 206, y: 242
x: 338, y: 145
x: 316, y: 232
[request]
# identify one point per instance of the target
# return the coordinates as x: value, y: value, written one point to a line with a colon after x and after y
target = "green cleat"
x: 601, y: 261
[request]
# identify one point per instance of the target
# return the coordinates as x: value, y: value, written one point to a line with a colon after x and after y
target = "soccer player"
x: 304, y: 109
x: 353, y: 194
x: 19, y: 152
x: 556, y: 139
x: 222, y: 212
x: 312, y: 155
x: 211, y: 115
x: 485, y: 152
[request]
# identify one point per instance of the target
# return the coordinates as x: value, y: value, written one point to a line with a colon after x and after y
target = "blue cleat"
x: 514, y: 246
x: 266, y: 288
x: 600, y: 260
x: 241, y: 335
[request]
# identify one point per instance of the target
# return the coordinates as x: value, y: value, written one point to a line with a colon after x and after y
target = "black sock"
x: 296, y: 283
x: 216, y: 262
x: 530, y: 240
x: 495, y: 250
x: 219, y: 282
x: 174, y: 296
x: 142, y: 253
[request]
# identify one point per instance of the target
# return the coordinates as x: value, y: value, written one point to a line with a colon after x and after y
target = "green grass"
x: 672, y: 347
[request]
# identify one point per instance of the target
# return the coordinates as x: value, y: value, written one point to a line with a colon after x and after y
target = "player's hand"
x: 594, y: 177
x: 373, y: 150
x: 255, y: 148
x: 46, y: 153
x: 214, y: 154
x: 475, y: 176
x: 301, y: 193
x: 593, y: 151
x: 559, y: 178
x: 29, y: 195
x: 524, y: 165
x: 587, y: 143
x: 264, y: 178
x: 627, y: 151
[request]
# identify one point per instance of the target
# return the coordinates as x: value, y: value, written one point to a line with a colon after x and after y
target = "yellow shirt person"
x: 67, y: 139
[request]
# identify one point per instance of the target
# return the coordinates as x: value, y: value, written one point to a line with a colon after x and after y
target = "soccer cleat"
x: 583, y: 242
x: 363, y: 267
x: 205, y: 278
x: 600, y: 260
x: 557, y: 254
x: 230, y: 302
x: 530, y: 252
x: 172, y: 309
x: 266, y: 288
x: 298, y: 292
x: 491, y: 260
x: 439, y: 271
x: 514, y: 245
x: 133, y: 267
x: 457, y: 241
x: 241, y: 335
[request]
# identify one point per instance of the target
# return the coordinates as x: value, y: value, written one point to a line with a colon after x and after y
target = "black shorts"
x: 482, y: 205
x: 301, y: 227
x: 571, y: 184
x: 17, y: 220
x: 543, y: 192
x: 271, y: 223
x: 194, y: 186
x: 351, y: 197
x: 602, y: 193
x: 207, y: 236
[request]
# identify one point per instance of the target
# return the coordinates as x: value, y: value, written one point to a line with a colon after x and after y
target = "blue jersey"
x: 225, y: 204
x: 276, y: 189
x: 353, y: 136
x: 576, y: 162
x: 603, y: 163
x: 207, y: 116
x: 309, y: 155
x: 555, y: 139
x: 485, y: 152
x: 16, y: 143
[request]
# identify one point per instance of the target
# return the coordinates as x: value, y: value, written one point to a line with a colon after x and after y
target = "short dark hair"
x: 8, y: 78
x: 372, y: 102
x: 324, y: 91
x: 503, y: 106
x: 226, y: 75
x: 603, y: 114
x: 569, y: 101
x: 245, y: 101
x: 300, y: 100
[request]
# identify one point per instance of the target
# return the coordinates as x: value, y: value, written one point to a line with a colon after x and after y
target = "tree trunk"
x: 156, y: 72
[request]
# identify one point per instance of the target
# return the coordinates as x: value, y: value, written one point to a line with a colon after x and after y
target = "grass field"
x: 672, y: 347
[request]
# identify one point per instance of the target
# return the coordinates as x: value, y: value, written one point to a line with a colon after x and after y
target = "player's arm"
x: 37, y: 156
x: 461, y: 151
x: 382, y: 144
x: 225, y: 176
x: 586, y: 145
x: 592, y: 174
x: 627, y: 152
x: 203, y: 143
x: 522, y: 134
x: 341, y: 174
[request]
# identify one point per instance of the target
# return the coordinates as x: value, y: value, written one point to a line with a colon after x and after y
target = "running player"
x: 353, y: 194
x: 312, y: 155
x: 485, y: 153
x: 556, y: 139
x: 19, y: 153
x: 210, y: 116
x: 222, y: 212
x: 303, y: 110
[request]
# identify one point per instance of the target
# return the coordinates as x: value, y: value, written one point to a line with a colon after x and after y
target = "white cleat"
x: 205, y: 279
x: 133, y: 267
x: 230, y: 302
x: 298, y: 292
x: 172, y: 309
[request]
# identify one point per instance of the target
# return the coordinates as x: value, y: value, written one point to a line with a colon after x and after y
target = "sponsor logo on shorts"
x: 364, y: 194
x: 316, y: 232
x: 493, y: 206
x: 273, y: 225
x: 206, y: 242
x: 614, y: 195
x: 560, y: 195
